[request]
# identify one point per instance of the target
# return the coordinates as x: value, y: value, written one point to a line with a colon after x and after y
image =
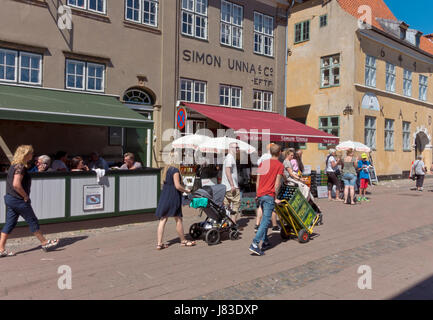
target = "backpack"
x: 413, y: 170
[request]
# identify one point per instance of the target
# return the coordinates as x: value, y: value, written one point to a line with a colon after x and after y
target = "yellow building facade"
x: 368, y: 82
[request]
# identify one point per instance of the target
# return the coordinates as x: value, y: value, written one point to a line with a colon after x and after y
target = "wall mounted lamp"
x: 348, y: 110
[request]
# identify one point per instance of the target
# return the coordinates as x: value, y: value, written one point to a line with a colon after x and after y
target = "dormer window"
x: 403, y: 30
x: 418, y: 39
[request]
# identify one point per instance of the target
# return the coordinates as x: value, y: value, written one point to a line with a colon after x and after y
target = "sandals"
x: 6, y: 253
x: 161, y: 246
x: 187, y: 243
x: 50, y: 245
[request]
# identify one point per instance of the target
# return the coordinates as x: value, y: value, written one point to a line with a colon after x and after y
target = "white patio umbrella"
x: 222, y: 143
x: 356, y: 146
x: 190, y: 141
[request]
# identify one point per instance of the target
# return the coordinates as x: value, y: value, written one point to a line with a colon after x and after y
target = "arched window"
x: 137, y: 96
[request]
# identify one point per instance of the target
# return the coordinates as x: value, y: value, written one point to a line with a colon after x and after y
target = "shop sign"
x: 181, y: 118
x: 93, y: 197
x: 294, y: 139
x: 262, y: 75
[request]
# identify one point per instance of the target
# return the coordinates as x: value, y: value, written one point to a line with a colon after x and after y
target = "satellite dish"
x: 370, y: 102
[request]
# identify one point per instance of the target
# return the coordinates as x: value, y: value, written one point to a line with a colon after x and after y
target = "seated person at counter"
x: 130, y: 163
x: 59, y: 164
x: 97, y: 162
x: 34, y: 165
x: 42, y: 164
x: 77, y: 164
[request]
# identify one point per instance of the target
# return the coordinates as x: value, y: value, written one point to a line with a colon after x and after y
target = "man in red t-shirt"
x: 269, y: 177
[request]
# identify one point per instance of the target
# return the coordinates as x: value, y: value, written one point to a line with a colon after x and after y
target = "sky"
x: 416, y: 13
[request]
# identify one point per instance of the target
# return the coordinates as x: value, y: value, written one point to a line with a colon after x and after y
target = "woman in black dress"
x: 17, y: 200
x: 170, y: 204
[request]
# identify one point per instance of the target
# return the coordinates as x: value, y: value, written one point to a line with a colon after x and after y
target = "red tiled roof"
x: 426, y: 45
x: 379, y: 9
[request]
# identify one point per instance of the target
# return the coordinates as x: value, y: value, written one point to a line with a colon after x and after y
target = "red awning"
x: 255, y: 124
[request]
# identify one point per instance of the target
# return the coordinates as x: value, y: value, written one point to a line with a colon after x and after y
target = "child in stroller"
x: 209, y: 200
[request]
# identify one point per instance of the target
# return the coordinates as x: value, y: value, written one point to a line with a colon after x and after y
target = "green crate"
x: 302, y: 209
x: 248, y: 204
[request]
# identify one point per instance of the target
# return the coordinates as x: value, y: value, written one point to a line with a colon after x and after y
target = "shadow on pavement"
x: 63, y: 242
x: 421, y: 291
x: 23, y: 231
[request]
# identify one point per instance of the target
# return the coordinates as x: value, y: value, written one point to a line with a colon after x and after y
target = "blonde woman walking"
x: 170, y: 203
x: 17, y: 200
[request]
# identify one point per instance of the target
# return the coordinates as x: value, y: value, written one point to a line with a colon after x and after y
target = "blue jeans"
x: 18, y: 207
x: 349, y: 179
x: 267, y: 203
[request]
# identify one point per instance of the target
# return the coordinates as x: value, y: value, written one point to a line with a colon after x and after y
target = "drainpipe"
x: 286, y: 57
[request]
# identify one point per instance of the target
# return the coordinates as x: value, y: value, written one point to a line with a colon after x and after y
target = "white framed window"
x: 263, y: 34
x: 186, y: 90
x: 82, y: 75
x: 95, y: 77
x: 8, y: 65
x: 423, y: 85
x: 407, y: 83
x: 406, y: 136
x: 257, y: 99
x: 370, y: 71
x: 192, y: 90
x: 137, y: 96
x: 150, y: 12
x: 330, y: 71
x: 142, y: 11
x: 194, y: 18
x: 20, y: 67
x: 370, y: 132
x: 230, y: 96
x: 30, y: 68
x: 132, y: 10
x: 75, y: 74
x: 224, y: 95
x: 77, y: 3
x: 231, y: 24
x: 389, y: 134
x: 98, y: 6
x: 390, y: 77
x: 262, y: 100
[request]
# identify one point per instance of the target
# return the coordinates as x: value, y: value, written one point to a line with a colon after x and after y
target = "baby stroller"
x: 209, y: 200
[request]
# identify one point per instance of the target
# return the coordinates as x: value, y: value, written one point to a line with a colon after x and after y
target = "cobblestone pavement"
x: 295, y: 278
x: 116, y: 258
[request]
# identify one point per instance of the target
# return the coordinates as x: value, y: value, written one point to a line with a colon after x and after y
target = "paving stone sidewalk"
x: 393, y: 233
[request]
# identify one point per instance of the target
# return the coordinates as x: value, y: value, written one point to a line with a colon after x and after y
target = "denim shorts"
x: 349, y: 179
x: 18, y: 207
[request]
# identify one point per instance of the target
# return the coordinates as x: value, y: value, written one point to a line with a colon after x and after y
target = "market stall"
x: 258, y: 128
